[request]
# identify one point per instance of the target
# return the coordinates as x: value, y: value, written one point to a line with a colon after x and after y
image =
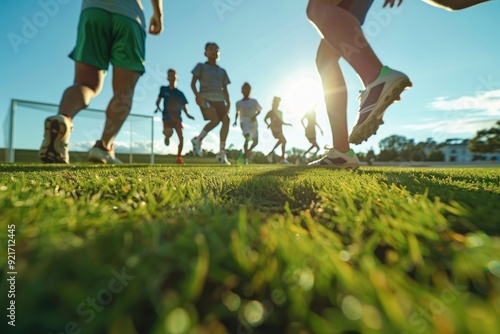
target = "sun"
x: 302, y: 93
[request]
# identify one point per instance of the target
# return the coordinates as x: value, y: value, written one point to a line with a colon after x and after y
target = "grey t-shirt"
x: 212, y: 78
x: 130, y: 8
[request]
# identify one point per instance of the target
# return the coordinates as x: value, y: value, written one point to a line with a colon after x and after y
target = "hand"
x: 391, y: 3
x: 200, y: 101
x: 234, y: 124
x: 156, y: 24
x: 157, y: 109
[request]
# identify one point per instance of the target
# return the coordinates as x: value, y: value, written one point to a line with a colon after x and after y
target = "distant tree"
x: 294, y: 154
x: 387, y: 155
x: 436, y: 155
x: 396, y: 147
x: 396, y: 143
x: 258, y: 157
x: 486, y: 141
x: 361, y: 156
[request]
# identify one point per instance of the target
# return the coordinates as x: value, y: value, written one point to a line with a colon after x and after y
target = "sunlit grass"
x: 208, y: 249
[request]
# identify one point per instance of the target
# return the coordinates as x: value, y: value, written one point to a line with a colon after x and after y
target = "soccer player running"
x: 248, y: 109
x: 310, y: 128
x: 213, y: 99
x: 339, y: 22
x: 274, y: 121
x: 108, y: 32
x: 174, y: 102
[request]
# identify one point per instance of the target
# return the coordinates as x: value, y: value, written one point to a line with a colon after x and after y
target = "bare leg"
x: 278, y: 143
x: 210, y: 125
x: 181, y: 141
x: 224, y: 130
x: 335, y: 93
x: 245, y: 146
x: 310, y: 148
x: 283, y: 148
x: 254, y: 143
x: 87, y: 85
x: 343, y: 32
x: 167, y: 131
x: 317, y: 150
x: 124, y: 82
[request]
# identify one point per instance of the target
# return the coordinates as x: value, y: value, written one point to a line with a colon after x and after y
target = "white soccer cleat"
x: 55, y: 143
x: 101, y: 156
x: 337, y: 160
x: 375, y: 99
x: 284, y: 162
x: 221, y: 158
x: 270, y: 157
x: 196, y: 147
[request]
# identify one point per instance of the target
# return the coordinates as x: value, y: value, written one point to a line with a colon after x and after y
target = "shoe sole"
x: 54, y: 132
x: 370, y: 126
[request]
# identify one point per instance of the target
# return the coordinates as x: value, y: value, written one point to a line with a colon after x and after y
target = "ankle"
x: 99, y: 144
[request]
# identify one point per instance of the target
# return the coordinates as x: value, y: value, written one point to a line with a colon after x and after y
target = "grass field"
x: 253, y: 249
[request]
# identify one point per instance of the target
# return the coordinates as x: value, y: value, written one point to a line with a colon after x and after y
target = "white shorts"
x: 250, y: 128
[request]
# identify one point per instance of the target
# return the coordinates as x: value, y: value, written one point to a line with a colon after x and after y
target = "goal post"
x: 135, y: 137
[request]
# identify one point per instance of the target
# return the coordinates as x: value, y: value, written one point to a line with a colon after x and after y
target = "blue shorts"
x: 358, y: 8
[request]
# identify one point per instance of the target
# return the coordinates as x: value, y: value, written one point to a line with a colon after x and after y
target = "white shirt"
x: 247, y: 108
x: 130, y: 8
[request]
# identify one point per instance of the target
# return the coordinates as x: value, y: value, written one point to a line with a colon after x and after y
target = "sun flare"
x: 302, y: 93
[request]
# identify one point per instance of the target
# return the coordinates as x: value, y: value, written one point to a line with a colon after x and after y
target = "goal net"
x: 24, y: 128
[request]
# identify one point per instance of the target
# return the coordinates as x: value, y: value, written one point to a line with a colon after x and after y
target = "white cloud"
x: 482, y: 104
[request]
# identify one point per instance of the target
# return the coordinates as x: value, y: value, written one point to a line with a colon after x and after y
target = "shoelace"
x: 327, y: 149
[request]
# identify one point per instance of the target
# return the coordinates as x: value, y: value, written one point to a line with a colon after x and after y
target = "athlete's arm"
x: 156, y: 22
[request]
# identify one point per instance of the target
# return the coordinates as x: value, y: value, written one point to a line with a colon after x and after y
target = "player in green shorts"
x: 109, y: 31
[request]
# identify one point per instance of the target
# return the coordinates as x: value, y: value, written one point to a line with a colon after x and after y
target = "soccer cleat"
x: 55, y: 143
x: 167, y: 141
x: 337, y: 160
x: 221, y: 158
x: 284, y: 162
x: 245, y: 161
x: 270, y: 157
x: 375, y: 99
x: 102, y: 156
x: 196, y: 146
x: 179, y: 161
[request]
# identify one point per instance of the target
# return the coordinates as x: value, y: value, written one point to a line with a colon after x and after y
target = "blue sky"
x: 452, y: 59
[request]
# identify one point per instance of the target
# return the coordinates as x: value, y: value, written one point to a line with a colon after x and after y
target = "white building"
x: 456, y: 150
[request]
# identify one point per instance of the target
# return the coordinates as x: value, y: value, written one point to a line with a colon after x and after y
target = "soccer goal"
x: 23, y: 130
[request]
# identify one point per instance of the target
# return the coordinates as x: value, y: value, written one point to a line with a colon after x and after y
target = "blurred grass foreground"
x: 252, y: 249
